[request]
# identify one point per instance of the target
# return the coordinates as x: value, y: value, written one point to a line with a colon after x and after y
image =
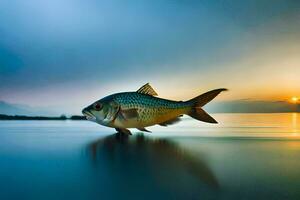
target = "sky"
x: 65, y: 54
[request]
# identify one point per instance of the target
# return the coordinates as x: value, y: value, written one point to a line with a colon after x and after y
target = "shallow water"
x: 246, y: 156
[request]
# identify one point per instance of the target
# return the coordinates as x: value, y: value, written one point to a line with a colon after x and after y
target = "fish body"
x: 141, y: 109
x: 150, y: 110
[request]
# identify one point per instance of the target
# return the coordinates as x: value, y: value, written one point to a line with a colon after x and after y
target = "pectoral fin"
x: 129, y: 113
x: 143, y: 129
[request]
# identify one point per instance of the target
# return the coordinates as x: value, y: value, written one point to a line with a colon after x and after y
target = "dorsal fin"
x: 147, y: 89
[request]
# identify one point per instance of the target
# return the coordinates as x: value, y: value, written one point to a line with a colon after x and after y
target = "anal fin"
x: 171, y: 121
x: 143, y: 129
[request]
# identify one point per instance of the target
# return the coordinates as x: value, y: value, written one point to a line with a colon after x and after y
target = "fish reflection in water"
x: 140, y: 161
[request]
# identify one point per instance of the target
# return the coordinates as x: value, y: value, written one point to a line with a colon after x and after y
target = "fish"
x: 142, y: 108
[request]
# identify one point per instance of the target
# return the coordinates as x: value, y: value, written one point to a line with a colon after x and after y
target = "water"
x: 246, y: 156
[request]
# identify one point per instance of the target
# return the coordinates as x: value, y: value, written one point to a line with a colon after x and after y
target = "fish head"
x: 102, y: 112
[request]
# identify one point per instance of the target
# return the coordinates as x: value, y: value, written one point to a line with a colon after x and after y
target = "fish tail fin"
x: 197, y: 112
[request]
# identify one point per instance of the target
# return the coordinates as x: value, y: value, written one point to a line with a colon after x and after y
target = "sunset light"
x: 295, y: 99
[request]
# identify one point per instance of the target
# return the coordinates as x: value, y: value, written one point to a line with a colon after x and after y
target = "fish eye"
x: 97, y: 106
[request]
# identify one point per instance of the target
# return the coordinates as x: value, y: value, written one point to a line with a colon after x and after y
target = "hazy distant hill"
x: 16, y: 109
x: 250, y: 106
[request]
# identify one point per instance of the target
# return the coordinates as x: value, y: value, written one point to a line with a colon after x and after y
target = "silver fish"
x: 141, y: 109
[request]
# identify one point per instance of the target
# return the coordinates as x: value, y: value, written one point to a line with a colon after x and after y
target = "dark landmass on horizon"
x: 24, y: 112
x: 23, y: 117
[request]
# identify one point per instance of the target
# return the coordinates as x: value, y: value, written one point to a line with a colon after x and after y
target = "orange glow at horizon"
x: 295, y: 99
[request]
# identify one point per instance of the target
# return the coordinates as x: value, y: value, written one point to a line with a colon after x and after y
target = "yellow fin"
x: 147, y: 89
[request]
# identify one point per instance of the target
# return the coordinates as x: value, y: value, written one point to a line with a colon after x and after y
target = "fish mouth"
x: 88, y: 115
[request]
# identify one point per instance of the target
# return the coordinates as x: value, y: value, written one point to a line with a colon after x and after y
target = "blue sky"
x: 66, y: 54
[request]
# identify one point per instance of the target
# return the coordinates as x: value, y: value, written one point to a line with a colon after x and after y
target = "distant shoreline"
x: 81, y: 117
x: 24, y: 117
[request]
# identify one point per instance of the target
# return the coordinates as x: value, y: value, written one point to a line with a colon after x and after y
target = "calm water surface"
x: 246, y: 156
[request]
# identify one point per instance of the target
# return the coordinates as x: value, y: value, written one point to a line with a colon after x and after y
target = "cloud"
x: 50, y: 45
